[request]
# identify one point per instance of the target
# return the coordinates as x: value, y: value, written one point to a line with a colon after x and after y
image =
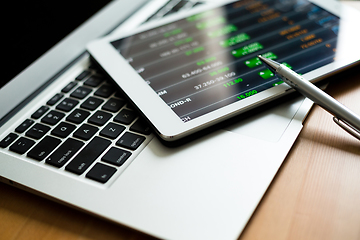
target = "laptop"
x: 67, y: 133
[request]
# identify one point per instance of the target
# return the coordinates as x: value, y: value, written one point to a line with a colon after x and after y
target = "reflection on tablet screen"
x: 208, y: 61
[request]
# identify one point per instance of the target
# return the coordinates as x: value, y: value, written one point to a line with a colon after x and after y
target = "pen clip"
x: 347, y: 127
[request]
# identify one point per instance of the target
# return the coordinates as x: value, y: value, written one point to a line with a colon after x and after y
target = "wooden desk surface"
x: 315, y: 195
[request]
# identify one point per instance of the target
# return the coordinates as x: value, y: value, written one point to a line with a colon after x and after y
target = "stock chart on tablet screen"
x: 209, y: 60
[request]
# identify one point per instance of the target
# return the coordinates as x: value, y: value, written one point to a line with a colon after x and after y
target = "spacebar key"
x: 88, y: 155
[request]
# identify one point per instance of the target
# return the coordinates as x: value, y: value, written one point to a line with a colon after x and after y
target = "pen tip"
x: 272, y: 65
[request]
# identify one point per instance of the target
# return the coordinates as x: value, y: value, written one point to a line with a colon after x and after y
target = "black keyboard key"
x: 24, y: 126
x: 53, y: 117
x: 130, y: 106
x: 69, y: 87
x: 85, y: 132
x: 67, y: 104
x: 88, y: 155
x: 81, y: 92
x: 40, y: 112
x: 93, y: 66
x: 22, y: 145
x: 94, y: 81
x: 8, y: 140
x: 63, y: 129
x: 101, y: 173
x: 112, y: 130
x: 99, y: 118
x: 83, y: 75
x: 78, y: 116
x: 116, y: 156
x: 119, y: 94
x: 92, y: 103
x: 44, y: 148
x: 125, y: 116
x: 140, y: 126
x: 130, y: 141
x: 113, y: 105
x: 105, y: 91
x: 64, y: 153
x: 55, y: 99
x: 37, y: 131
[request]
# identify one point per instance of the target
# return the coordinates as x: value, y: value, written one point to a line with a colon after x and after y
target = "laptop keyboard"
x: 83, y: 119
x: 87, y: 128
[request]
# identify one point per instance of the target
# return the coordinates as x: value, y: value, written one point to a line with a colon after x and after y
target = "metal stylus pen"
x: 343, y: 116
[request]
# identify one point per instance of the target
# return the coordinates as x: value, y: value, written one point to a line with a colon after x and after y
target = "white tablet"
x: 192, y: 70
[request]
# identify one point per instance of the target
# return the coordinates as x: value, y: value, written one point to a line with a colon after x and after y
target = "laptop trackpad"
x: 268, y: 125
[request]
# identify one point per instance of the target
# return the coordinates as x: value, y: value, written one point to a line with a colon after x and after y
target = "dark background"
x: 30, y: 28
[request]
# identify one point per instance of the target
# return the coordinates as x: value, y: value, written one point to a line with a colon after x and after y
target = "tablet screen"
x: 209, y: 60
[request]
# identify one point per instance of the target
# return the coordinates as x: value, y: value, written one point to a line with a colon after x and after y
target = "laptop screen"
x: 32, y: 28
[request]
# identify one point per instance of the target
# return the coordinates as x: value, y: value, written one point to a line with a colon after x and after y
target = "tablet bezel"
x: 165, y: 122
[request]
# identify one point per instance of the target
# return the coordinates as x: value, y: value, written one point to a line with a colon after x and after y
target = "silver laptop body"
x: 205, y: 189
